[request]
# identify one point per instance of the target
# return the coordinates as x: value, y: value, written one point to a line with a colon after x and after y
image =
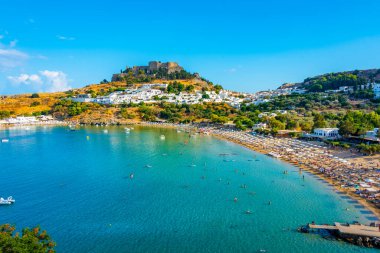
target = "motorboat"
x: 7, y: 201
x: 162, y: 137
x: 4, y: 140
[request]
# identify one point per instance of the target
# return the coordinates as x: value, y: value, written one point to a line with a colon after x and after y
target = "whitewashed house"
x: 372, y: 134
x: 83, y: 98
x: 328, y: 133
x: 346, y: 89
x: 376, y: 90
x: 260, y: 126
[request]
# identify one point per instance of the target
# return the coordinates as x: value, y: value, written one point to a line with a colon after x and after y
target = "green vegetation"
x: 126, y: 115
x: 67, y: 108
x: 333, y: 81
x: 356, y: 123
x: 35, y: 103
x: 35, y: 95
x: 30, y: 240
x: 369, y: 149
x: 302, y: 103
x: 175, y: 87
x: 4, y: 114
x: 142, y: 76
x: 162, y: 74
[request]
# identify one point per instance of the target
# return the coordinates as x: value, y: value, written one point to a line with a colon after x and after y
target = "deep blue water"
x: 80, y: 190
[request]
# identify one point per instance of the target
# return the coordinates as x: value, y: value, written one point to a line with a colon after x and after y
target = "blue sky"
x: 245, y: 45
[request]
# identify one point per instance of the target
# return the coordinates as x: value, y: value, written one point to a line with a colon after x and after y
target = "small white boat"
x: 4, y: 140
x: 162, y: 137
x: 105, y: 131
x: 7, y: 201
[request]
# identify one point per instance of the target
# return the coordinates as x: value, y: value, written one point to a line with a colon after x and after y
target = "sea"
x: 105, y: 189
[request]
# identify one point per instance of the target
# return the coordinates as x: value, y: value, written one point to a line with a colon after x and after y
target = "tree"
x: 35, y: 95
x: 31, y: 240
x: 4, y: 114
x: 190, y: 88
x: 276, y: 124
x: 319, y: 121
x: 347, y: 127
x: 306, y: 126
x: 35, y: 103
x: 218, y: 88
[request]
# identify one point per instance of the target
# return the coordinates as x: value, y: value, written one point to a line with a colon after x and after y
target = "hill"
x: 61, y: 107
x: 333, y: 81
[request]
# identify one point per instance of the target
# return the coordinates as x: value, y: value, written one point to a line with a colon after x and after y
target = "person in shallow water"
x: 235, y: 199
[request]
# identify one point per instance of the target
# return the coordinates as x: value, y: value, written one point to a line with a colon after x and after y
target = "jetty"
x: 356, y: 233
x: 350, y: 229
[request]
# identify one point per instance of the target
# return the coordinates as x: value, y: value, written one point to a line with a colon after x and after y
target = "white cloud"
x: 56, y: 80
x: 25, y: 79
x: 45, y: 81
x: 60, y: 37
x: 10, y: 58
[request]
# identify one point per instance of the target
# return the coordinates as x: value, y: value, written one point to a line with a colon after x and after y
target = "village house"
x: 260, y: 126
x: 326, y: 133
x: 376, y: 90
x: 346, y: 89
x: 372, y: 134
x: 83, y: 98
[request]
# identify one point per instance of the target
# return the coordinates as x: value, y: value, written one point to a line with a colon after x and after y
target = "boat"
x: 7, y: 201
x: 162, y: 137
x: 4, y: 140
x: 105, y: 131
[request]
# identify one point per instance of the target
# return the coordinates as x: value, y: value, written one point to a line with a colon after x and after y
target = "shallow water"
x: 80, y: 190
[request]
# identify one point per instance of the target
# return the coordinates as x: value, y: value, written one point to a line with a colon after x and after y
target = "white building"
x: 21, y: 120
x: 376, y: 90
x: 346, y: 89
x: 299, y: 91
x: 83, y: 98
x: 267, y: 114
x: 372, y: 134
x: 326, y: 132
x: 259, y: 126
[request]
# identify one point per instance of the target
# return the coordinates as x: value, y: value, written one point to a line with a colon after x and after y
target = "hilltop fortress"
x: 151, y: 70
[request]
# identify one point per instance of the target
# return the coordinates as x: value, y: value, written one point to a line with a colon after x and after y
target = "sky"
x: 244, y: 45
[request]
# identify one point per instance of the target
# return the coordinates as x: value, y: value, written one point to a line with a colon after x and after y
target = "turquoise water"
x: 80, y: 191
